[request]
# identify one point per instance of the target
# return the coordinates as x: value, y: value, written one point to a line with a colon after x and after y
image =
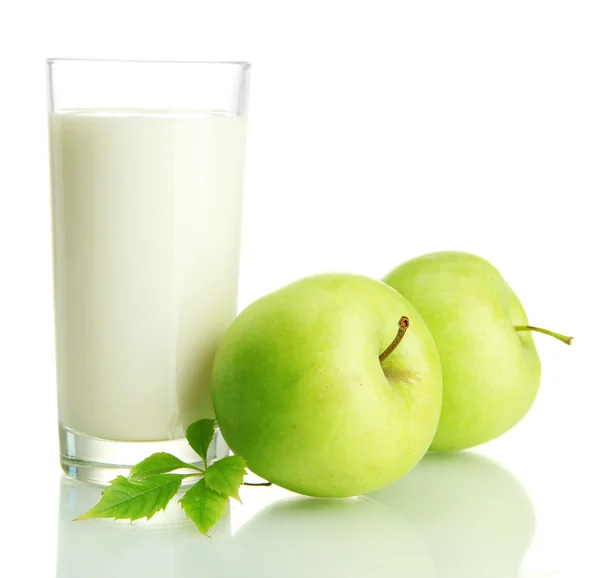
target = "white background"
x: 378, y: 131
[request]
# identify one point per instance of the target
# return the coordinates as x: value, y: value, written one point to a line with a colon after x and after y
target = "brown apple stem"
x: 402, y: 327
x: 564, y: 338
x: 258, y: 484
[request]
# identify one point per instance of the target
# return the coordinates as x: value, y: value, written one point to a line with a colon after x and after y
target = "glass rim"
x: 240, y: 63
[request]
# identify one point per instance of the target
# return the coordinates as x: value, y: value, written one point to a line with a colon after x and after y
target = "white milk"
x: 147, y: 208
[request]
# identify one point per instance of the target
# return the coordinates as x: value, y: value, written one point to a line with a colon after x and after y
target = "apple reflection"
x: 454, y: 516
x: 319, y: 538
x: 167, y: 546
x: 474, y: 516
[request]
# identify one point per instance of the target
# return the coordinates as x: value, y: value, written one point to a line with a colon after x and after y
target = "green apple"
x: 474, y: 516
x: 490, y: 365
x: 322, y: 393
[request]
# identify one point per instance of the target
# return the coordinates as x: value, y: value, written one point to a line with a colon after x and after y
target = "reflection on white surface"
x: 305, y: 538
x: 454, y: 516
x: 168, y: 546
x: 475, y: 517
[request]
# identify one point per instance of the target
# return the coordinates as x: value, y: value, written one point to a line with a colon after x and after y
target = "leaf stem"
x: 402, y: 327
x: 564, y: 338
x: 200, y: 473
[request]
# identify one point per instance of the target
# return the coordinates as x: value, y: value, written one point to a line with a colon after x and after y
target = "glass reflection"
x: 475, y: 517
x: 167, y: 546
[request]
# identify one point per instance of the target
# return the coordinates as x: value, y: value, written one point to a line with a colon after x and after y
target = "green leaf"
x: 128, y: 499
x: 226, y: 476
x: 156, y: 464
x: 199, y: 435
x: 204, y: 506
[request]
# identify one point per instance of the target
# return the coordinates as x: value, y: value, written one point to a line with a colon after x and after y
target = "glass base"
x: 99, y: 461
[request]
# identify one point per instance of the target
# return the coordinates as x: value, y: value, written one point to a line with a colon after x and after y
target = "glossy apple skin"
x: 491, y: 372
x: 300, y: 393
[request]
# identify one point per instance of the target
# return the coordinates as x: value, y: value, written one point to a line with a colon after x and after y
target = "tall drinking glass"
x: 147, y: 163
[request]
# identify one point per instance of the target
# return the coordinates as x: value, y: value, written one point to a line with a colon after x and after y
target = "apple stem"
x: 402, y: 327
x: 564, y: 338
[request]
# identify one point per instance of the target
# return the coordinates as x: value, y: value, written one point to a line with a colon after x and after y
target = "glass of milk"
x: 147, y: 163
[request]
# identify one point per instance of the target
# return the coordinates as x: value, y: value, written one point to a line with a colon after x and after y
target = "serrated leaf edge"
x: 201, y: 451
x: 218, y: 494
x: 235, y: 496
x: 86, y: 516
x: 135, y: 477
